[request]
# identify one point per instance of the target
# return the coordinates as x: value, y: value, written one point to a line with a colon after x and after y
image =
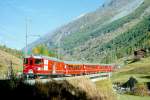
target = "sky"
x: 40, y: 17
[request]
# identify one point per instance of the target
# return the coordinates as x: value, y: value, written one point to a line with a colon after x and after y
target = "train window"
x: 25, y: 61
x: 75, y: 67
x: 38, y: 61
x: 31, y: 62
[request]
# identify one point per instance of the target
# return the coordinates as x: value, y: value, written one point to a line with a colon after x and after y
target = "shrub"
x: 106, y: 89
x: 61, y: 90
x: 72, y: 89
x: 141, y: 90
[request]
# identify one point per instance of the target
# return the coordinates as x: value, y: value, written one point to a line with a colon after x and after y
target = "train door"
x: 54, y: 68
x: 45, y: 65
x: 30, y: 66
x: 59, y: 68
x: 46, y: 69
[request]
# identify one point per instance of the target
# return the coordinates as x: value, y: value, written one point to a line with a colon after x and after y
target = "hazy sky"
x: 43, y: 17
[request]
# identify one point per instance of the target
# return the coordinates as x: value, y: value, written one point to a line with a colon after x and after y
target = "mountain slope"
x: 94, y: 36
x: 104, y: 48
x: 5, y: 59
x: 103, y: 15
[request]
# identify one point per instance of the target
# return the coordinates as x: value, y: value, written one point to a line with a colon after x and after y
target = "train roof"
x: 44, y: 57
x: 66, y: 62
x: 73, y: 62
x: 91, y: 63
x: 77, y: 63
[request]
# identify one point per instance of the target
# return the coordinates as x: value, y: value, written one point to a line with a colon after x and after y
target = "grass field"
x: 105, y: 87
x: 131, y: 97
x: 101, y: 90
x: 140, y: 70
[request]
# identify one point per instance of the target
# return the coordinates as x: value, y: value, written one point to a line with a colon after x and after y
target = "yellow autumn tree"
x: 42, y: 50
x: 36, y: 50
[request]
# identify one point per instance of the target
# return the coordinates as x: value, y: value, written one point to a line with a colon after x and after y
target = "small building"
x: 138, y: 54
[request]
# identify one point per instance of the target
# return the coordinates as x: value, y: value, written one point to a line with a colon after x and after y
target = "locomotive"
x: 36, y: 66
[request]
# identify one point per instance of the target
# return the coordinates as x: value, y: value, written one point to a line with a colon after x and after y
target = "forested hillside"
x: 124, y: 45
x: 81, y: 26
x: 115, y: 30
x: 120, y: 39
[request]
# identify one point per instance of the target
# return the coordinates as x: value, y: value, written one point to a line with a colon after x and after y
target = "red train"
x: 35, y: 66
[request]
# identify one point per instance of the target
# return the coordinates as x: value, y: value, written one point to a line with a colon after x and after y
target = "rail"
x: 92, y: 77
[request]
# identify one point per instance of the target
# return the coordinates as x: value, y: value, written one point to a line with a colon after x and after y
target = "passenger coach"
x: 35, y: 66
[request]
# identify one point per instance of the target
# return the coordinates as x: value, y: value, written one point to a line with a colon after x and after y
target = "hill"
x: 5, y: 60
x: 17, y: 53
x: 111, y: 32
x: 140, y: 70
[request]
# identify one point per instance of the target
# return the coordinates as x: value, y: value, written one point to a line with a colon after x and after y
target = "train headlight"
x: 30, y: 71
x: 38, y: 68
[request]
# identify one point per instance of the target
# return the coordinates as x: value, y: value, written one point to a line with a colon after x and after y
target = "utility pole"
x: 26, y: 48
x: 27, y: 22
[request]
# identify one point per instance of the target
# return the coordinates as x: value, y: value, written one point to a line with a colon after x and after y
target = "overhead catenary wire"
x: 22, y: 13
x: 3, y: 31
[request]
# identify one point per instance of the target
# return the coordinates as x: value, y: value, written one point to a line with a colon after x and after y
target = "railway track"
x: 92, y: 77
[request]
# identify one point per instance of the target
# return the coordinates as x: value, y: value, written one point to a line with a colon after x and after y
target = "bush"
x: 72, y: 89
x: 141, y: 90
x: 106, y: 90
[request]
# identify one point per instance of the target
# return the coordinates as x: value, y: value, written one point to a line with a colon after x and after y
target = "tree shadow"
x: 53, y: 90
x: 147, y: 77
x: 148, y: 85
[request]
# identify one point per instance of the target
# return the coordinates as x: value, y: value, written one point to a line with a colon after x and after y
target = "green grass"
x: 105, y: 87
x: 101, y: 90
x: 131, y: 97
x: 138, y: 70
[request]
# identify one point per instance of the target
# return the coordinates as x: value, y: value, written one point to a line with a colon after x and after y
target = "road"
x: 92, y: 77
